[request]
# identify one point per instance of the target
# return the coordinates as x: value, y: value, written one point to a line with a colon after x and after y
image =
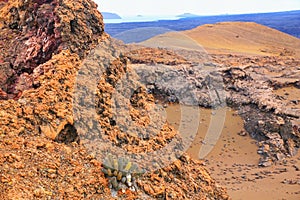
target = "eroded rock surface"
x: 45, y: 154
x: 33, y: 31
x: 264, y: 89
x: 42, y: 154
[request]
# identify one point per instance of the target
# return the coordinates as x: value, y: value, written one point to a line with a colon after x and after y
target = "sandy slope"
x: 246, y: 37
x: 238, y: 37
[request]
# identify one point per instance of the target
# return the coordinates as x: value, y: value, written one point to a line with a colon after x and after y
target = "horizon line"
x: 199, y: 15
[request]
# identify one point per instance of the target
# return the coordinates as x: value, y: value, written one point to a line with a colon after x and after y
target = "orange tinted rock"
x: 50, y: 162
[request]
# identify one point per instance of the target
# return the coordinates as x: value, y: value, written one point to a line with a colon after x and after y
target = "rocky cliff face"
x: 42, y: 46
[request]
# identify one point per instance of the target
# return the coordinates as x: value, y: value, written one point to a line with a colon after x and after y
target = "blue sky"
x: 201, y: 7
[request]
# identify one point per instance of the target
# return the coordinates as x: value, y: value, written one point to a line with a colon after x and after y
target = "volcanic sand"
x: 241, y: 38
x: 233, y: 161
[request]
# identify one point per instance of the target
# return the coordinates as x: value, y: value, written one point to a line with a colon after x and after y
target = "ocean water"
x: 139, y: 19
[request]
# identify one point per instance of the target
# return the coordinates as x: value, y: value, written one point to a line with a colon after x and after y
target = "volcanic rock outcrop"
x: 43, y: 44
x: 34, y: 31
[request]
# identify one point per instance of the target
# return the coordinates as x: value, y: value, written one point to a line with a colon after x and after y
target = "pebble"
x: 296, y: 168
x: 123, y: 180
x: 242, y: 133
x: 265, y: 163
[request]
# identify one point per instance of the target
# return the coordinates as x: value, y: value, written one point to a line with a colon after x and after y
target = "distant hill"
x: 287, y: 22
x: 187, y: 15
x: 108, y: 15
x: 237, y: 37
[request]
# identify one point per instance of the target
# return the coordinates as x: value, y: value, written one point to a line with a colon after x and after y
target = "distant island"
x: 108, y: 15
x: 187, y: 15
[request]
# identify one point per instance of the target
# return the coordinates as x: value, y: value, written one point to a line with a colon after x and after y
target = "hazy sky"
x: 201, y: 7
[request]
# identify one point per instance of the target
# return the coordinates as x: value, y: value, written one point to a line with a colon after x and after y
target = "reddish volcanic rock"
x: 42, y: 46
x: 33, y: 31
x: 155, y: 56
